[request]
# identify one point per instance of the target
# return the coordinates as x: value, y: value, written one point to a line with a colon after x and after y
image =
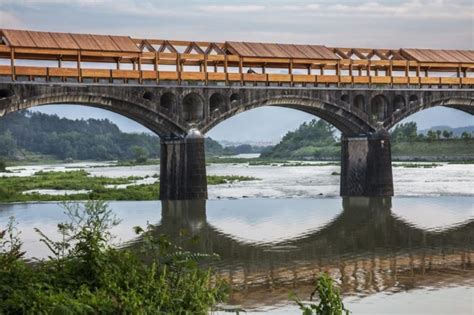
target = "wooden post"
x: 178, y: 66
x: 79, y: 72
x: 156, y: 67
x: 118, y: 63
x: 205, y: 69
x: 12, y: 63
x: 226, y: 70
x: 338, y: 72
x: 140, y: 75
x: 241, y: 70
x: 290, y: 71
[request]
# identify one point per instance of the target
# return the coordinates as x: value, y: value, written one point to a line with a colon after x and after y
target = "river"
x: 412, y: 253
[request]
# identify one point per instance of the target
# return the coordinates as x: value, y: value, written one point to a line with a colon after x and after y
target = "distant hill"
x: 457, y: 132
x: 26, y: 133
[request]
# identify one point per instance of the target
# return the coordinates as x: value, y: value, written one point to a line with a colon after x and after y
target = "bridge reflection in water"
x: 366, y: 247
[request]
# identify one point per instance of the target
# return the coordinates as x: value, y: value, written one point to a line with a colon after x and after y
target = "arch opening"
x: 359, y: 102
x: 235, y: 98
x: 216, y: 103
x: 193, y: 108
x: 378, y: 108
x: 148, y: 96
x: 345, y: 98
x: 5, y: 93
x: 412, y: 99
x: 398, y: 103
x: 168, y: 101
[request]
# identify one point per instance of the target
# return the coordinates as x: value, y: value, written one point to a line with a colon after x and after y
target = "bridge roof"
x: 51, y: 40
x: 270, y: 50
x: 438, y: 55
x: 124, y: 45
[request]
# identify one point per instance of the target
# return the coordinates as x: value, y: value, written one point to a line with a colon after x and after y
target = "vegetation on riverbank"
x: 85, y: 274
x: 13, y: 188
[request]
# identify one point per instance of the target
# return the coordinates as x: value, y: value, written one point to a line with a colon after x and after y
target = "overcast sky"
x: 445, y: 24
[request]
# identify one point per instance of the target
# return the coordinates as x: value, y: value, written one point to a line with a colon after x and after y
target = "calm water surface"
x: 413, y: 253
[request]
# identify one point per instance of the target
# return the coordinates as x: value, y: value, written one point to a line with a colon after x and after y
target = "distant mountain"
x: 457, y: 132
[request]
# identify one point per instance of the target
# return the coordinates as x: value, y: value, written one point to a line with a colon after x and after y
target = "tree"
x: 438, y: 134
x: 405, y: 132
x: 431, y: 135
x: 8, y: 145
x: 447, y: 134
x: 140, y: 154
x: 465, y: 135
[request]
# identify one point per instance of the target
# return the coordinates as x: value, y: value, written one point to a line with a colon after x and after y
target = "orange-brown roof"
x: 268, y: 50
x: 50, y: 40
x: 438, y: 55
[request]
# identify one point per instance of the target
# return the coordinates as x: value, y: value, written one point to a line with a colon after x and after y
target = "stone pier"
x: 366, y: 165
x: 183, y: 168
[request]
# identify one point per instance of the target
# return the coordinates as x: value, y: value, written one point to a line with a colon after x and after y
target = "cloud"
x: 232, y: 8
x: 10, y: 20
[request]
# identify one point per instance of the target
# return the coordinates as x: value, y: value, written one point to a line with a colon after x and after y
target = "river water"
x: 410, y: 254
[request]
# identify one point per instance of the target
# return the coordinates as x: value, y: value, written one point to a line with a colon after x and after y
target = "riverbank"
x: 80, y: 185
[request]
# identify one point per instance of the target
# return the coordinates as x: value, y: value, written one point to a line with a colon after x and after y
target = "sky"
x: 447, y: 24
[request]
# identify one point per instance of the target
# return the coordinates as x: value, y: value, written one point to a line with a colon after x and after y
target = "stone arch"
x: 378, y: 108
x: 359, y: 102
x: 193, y: 108
x: 346, y: 121
x: 462, y: 104
x: 156, y: 122
x: 235, y: 98
x: 216, y: 103
x: 168, y: 101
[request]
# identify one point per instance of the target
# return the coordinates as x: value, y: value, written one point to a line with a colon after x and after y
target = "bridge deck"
x: 42, y: 56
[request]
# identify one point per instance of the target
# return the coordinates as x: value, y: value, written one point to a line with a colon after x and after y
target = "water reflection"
x: 367, y: 247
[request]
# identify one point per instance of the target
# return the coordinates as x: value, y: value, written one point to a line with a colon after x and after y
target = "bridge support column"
x: 366, y: 166
x: 183, y: 168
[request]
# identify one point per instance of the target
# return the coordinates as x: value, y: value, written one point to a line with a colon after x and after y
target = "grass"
x: 416, y: 165
x: 12, y: 188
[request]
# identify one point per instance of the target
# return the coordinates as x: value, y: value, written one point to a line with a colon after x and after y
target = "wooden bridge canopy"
x: 294, y: 64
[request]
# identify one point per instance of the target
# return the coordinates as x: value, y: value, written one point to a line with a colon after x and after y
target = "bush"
x: 330, y: 299
x: 86, y: 275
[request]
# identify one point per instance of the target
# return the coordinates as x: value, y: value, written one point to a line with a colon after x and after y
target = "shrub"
x: 86, y: 275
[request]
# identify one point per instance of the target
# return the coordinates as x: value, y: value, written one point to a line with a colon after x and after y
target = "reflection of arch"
x: 359, y: 102
x: 462, y: 104
x: 216, y: 102
x: 378, y: 108
x: 168, y: 101
x: 156, y: 122
x: 343, y: 119
x: 193, y: 107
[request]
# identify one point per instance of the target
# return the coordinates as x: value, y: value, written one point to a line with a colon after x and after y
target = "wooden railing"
x: 227, y: 69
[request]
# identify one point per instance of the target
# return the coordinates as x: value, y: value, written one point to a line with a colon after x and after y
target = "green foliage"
x: 405, y: 132
x: 466, y: 135
x: 62, y: 138
x: 12, y: 188
x: 140, y: 154
x: 314, y: 139
x: 3, y: 166
x: 330, y: 299
x: 86, y: 275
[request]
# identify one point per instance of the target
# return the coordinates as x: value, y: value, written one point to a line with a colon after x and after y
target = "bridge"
x: 182, y: 89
